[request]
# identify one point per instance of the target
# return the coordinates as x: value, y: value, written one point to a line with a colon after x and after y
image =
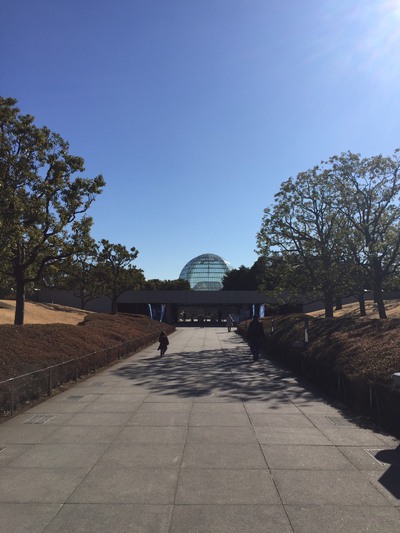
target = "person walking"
x: 163, y: 340
x: 255, y: 333
x: 229, y: 322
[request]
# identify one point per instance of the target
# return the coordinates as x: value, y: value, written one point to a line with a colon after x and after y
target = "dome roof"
x: 205, y: 272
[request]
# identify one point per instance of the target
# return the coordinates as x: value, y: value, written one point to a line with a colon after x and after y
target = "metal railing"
x: 32, y: 386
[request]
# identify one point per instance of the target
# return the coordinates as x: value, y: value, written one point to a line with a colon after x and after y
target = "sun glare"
x: 379, y: 43
x: 365, y: 36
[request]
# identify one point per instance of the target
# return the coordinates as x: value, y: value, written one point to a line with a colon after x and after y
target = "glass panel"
x: 205, y: 272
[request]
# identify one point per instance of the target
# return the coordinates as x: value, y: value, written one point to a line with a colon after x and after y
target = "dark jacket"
x: 163, y: 340
x: 255, y: 331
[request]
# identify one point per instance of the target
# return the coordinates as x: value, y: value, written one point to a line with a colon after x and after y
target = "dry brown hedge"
x: 33, y: 346
x: 364, y: 350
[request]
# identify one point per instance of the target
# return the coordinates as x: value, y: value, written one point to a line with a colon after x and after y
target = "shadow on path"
x: 391, y: 478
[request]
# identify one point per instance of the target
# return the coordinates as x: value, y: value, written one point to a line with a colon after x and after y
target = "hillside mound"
x: 42, y: 313
x: 32, y: 346
x: 364, y: 350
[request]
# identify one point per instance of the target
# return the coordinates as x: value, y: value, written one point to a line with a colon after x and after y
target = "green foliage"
x: 40, y: 198
x: 166, y: 285
x: 336, y: 228
x: 304, y: 228
x: 79, y: 273
x: 246, y: 279
x: 117, y: 273
x: 368, y: 196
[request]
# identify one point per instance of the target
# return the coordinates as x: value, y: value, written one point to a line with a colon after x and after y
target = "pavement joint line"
x: 370, y: 453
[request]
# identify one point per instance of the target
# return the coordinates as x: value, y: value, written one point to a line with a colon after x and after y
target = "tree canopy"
x: 245, y: 278
x: 117, y: 271
x: 42, y: 195
x: 338, y: 226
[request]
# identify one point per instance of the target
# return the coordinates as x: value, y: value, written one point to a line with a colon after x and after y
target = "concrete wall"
x: 61, y: 297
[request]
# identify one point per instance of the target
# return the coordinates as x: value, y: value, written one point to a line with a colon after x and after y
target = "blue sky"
x: 195, y: 111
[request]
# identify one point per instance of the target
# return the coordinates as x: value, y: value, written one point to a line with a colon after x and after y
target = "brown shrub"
x: 30, y: 347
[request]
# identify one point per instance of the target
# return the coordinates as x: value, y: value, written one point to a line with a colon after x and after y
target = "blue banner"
x: 262, y: 311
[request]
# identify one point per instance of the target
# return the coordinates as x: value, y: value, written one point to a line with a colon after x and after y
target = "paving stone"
x: 287, y: 435
x: 325, y: 487
x: 229, y: 519
x: 84, y: 435
x: 82, y: 456
x: 351, y: 437
x: 113, y: 407
x: 280, y: 420
x: 106, y: 518
x: 272, y: 406
x: 218, y: 408
x: 343, y: 518
x: 99, y: 419
x: 169, y: 407
x: 26, y: 517
x: 223, y: 456
x: 56, y: 407
x: 219, y: 486
x: 148, y: 434
x: 39, y: 485
x: 301, y: 457
x: 10, y: 452
x: 159, y: 419
x: 24, y: 434
x: 221, y: 434
x: 219, y: 419
x: 150, y: 455
x: 127, y: 485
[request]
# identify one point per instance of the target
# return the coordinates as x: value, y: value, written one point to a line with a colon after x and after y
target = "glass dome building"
x: 205, y: 272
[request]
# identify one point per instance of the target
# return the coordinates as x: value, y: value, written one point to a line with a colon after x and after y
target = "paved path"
x: 202, y: 440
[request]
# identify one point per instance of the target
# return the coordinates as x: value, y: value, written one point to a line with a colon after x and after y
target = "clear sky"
x: 195, y: 111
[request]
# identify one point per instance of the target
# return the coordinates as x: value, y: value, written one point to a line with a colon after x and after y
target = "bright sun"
x: 378, y: 37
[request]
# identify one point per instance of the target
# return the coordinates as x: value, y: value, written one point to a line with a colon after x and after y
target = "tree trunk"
x: 82, y: 297
x: 361, y: 300
x: 19, y: 301
x: 328, y: 304
x: 378, y: 296
x: 377, y: 288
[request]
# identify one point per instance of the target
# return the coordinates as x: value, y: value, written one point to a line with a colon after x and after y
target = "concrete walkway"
x: 202, y: 440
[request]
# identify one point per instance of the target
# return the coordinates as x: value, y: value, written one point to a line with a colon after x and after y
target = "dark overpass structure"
x: 211, y: 305
x: 173, y: 305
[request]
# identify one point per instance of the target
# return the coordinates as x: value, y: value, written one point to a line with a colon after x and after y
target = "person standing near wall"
x: 229, y: 322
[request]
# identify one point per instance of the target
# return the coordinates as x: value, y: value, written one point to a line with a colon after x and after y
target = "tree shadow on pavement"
x: 228, y: 374
x: 391, y: 478
x: 222, y: 374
